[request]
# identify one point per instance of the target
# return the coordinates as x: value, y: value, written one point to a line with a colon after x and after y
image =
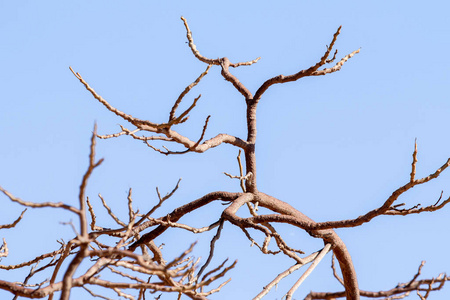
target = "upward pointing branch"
x: 311, y: 71
x: 194, y: 48
x: 186, y: 90
x: 223, y: 62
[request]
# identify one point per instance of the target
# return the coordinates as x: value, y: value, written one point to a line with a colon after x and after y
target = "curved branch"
x: 206, y: 60
x: 165, y: 128
x: 311, y: 71
x: 13, y: 224
x: 394, y: 211
x: 328, y: 236
x: 211, y: 143
x: 194, y: 48
x: 386, y: 209
x: 176, y: 214
x: 223, y: 62
x: 306, y: 225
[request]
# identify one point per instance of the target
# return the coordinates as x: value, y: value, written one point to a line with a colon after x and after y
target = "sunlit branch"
x: 4, y: 251
x: 284, y: 274
x: 39, y: 205
x: 13, y: 224
x: 186, y: 90
x: 311, y: 71
x: 308, y: 271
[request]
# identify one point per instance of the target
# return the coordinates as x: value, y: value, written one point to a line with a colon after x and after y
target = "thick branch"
x: 176, y: 214
x: 225, y: 64
x: 386, y: 209
x: 211, y: 143
x: 328, y: 236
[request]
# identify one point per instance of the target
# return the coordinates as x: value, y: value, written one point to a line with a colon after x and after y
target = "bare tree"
x: 133, y: 262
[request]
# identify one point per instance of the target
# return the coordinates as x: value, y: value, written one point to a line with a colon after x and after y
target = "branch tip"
x: 77, y: 75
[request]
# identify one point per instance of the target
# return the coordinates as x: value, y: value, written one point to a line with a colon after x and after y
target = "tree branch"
x: 13, y: 224
x: 311, y: 71
x: 176, y: 214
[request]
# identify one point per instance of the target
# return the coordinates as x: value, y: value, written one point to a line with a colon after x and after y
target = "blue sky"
x: 334, y: 147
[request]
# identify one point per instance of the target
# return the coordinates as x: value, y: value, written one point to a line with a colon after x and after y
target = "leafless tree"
x: 136, y: 265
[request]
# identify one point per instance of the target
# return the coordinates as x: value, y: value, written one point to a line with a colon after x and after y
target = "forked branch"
x: 129, y: 267
x: 224, y: 62
x: 165, y: 128
x: 311, y: 71
x: 400, y: 291
x: 209, y: 61
x: 388, y: 207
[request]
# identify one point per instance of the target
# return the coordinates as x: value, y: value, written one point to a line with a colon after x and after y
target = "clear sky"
x: 334, y: 147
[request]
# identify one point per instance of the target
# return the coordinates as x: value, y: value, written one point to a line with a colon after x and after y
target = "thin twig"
x: 211, y: 249
x: 284, y: 274
x: 414, y: 162
x: 110, y: 212
x: 39, y: 205
x: 186, y: 90
x: 335, y: 274
x: 308, y: 271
